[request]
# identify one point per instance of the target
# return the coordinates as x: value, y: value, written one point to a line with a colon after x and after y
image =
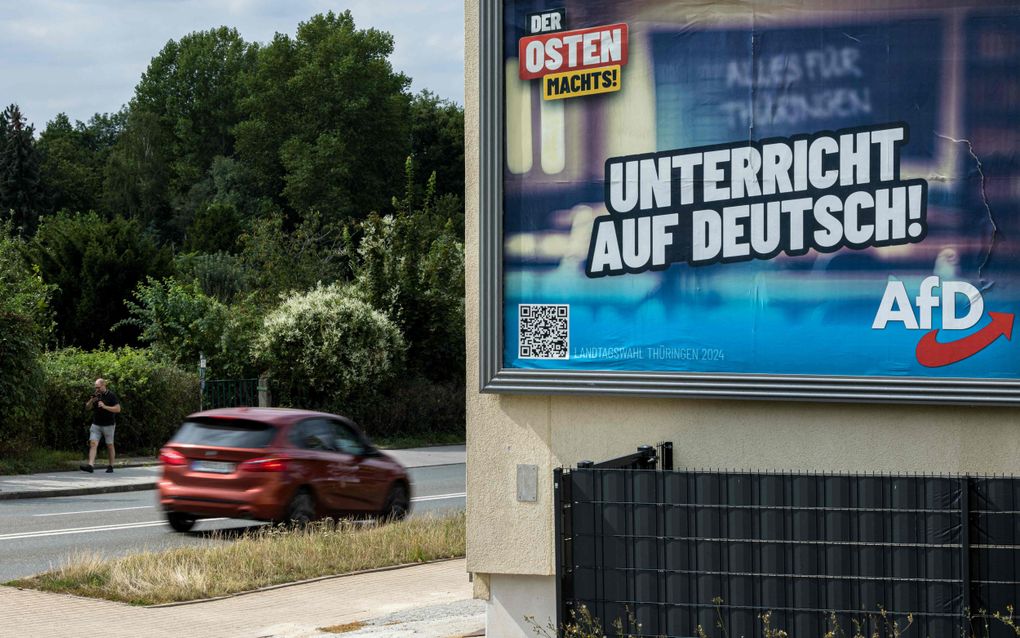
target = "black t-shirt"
x: 101, y: 416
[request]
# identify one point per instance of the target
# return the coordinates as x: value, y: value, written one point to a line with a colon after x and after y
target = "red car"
x: 278, y: 465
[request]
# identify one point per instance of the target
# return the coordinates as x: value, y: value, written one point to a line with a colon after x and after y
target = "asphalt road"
x: 39, y: 534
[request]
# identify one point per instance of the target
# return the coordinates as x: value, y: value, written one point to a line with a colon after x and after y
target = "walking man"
x: 105, y: 406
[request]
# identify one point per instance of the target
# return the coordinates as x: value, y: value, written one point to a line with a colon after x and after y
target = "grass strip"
x: 264, y: 557
x: 430, y: 439
x: 37, y: 460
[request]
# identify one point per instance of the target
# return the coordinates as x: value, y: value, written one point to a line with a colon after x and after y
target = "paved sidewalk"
x: 290, y: 612
x: 144, y: 478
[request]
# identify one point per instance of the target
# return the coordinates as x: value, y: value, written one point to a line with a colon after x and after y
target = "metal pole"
x: 201, y: 380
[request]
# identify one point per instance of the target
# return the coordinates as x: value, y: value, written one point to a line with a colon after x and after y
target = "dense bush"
x: 20, y: 404
x: 94, y: 263
x: 25, y: 323
x: 329, y: 349
x: 177, y: 319
x: 417, y: 407
x: 411, y: 266
x: 180, y: 323
x: 155, y: 397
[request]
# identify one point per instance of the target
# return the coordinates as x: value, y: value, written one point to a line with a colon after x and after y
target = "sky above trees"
x: 83, y: 57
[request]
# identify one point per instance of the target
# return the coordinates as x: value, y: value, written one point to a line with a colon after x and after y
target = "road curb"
x: 246, y: 592
x: 135, y: 487
x: 78, y: 491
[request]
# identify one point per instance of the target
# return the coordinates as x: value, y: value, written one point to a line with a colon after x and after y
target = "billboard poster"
x: 818, y: 190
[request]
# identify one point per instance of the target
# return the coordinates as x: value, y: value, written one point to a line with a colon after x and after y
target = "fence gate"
x: 678, y: 549
x: 230, y: 393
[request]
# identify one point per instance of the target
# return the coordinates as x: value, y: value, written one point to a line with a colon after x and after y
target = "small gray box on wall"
x: 527, y: 483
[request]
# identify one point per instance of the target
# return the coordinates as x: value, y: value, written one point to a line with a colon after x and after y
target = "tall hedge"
x: 155, y: 397
x: 20, y: 376
x: 25, y: 325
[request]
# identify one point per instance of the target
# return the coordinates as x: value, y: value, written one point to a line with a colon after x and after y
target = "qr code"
x: 544, y: 331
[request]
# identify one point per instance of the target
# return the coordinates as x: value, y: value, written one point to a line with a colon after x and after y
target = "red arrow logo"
x: 932, y: 354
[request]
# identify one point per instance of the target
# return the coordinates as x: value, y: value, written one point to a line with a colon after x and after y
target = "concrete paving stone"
x: 288, y: 612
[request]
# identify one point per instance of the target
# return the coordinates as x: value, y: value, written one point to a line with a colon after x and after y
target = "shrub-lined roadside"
x: 270, y: 556
x: 155, y: 396
x: 37, y: 460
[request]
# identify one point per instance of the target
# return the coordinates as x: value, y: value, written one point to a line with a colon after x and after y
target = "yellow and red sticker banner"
x: 575, y: 63
x: 577, y: 83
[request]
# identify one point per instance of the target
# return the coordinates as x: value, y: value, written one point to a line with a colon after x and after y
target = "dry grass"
x: 344, y: 628
x: 265, y: 557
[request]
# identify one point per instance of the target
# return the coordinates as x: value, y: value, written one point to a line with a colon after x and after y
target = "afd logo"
x: 898, y: 307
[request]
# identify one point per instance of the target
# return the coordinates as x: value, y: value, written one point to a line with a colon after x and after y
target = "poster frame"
x: 495, y: 378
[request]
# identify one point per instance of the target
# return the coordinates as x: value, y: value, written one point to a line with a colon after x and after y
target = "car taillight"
x: 264, y: 465
x: 168, y: 456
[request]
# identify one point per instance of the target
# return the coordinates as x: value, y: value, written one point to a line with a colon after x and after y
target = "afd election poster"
x: 755, y: 188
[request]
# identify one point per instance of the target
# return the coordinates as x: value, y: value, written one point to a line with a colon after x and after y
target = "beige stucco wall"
x: 505, y: 536
x: 510, y: 537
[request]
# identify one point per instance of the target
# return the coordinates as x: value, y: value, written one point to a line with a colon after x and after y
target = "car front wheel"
x: 180, y: 521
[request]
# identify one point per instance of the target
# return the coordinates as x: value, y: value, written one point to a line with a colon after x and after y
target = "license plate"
x: 217, y: 467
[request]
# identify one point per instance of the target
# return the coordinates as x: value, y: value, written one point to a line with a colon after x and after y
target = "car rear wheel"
x: 301, y: 510
x: 180, y: 521
x: 398, y: 504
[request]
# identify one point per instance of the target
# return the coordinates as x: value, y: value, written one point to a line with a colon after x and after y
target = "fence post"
x: 666, y: 455
x: 968, y: 594
x: 559, y: 544
x: 265, y: 400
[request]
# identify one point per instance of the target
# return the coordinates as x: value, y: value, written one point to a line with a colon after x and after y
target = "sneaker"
x: 85, y: 467
x: 109, y: 469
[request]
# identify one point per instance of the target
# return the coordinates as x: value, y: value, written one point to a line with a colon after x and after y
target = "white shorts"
x: 105, y: 430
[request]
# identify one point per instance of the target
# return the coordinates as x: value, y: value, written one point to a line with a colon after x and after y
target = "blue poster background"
x: 951, y: 76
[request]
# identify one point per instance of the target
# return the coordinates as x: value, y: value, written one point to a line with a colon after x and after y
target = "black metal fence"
x: 230, y: 393
x: 675, y: 550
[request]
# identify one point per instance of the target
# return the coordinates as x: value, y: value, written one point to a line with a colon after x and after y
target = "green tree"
x: 279, y: 262
x: 219, y: 275
x: 65, y: 167
x: 136, y: 178
x: 411, y: 265
x: 215, y: 228
x: 180, y: 322
x: 326, y: 119
x: 24, y: 291
x: 21, y: 194
x: 177, y: 319
x: 437, y: 142
x: 74, y: 160
x: 193, y: 86
x: 94, y: 264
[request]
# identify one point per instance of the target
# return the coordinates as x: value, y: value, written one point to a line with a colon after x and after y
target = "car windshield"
x: 225, y: 433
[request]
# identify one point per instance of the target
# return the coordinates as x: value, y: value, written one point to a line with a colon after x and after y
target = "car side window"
x: 347, y: 440
x: 313, y: 434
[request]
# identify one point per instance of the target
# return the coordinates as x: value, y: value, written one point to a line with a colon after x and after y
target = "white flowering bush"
x: 329, y: 349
